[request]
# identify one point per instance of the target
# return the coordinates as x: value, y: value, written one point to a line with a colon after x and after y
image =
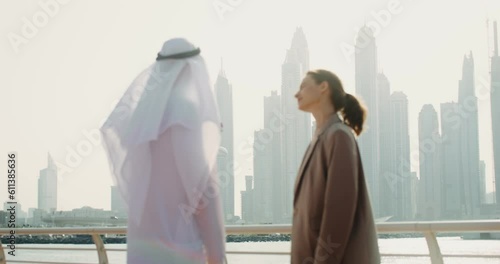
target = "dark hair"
x: 352, y: 110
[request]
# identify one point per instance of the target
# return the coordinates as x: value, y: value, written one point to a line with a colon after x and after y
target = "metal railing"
x: 428, y: 229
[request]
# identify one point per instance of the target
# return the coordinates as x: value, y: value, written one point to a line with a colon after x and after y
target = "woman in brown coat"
x: 332, y: 217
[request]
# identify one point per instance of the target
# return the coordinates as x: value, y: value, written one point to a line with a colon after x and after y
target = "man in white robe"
x: 162, y: 141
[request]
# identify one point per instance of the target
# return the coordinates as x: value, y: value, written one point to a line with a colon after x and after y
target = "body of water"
x: 449, y: 245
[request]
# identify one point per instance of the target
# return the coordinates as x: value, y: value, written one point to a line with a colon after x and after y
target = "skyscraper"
x: 224, y: 94
x: 273, y: 126
x: 469, y: 140
x: 482, y: 182
x: 366, y: 82
x: 495, y: 111
x: 297, y: 133
x: 47, y: 187
x: 224, y: 174
x: 384, y: 117
x: 247, y: 206
x: 414, y: 182
x: 400, y: 167
x: 300, y: 46
x: 263, y: 178
x: 451, y: 188
x: 429, y: 205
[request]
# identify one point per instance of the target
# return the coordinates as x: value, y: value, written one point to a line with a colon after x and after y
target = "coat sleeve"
x: 341, y: 194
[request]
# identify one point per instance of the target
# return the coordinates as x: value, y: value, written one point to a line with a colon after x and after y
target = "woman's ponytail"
x: 354, y: 113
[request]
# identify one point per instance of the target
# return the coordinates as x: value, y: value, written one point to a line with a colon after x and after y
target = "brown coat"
x: 332, y: 217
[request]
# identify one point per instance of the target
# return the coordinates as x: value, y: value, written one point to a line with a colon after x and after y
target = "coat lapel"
x: 310, y: 150
x: 305, y: 161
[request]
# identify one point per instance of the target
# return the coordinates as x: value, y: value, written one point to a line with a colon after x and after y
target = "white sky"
x: 67, y: 78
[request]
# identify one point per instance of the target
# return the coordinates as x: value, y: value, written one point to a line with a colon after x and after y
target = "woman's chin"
x: 302, y: 108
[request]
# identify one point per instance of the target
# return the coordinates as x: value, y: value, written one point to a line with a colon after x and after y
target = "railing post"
x: 2, y: 254
x: 434, y: 251
x: 101, y: 250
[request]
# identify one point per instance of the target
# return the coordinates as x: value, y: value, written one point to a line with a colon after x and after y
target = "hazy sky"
x: 61, y: 77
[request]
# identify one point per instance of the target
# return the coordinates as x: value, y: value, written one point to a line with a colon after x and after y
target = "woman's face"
x: 309, y: 94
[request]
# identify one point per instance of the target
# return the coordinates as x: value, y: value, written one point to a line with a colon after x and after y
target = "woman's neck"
x: 321, y: 116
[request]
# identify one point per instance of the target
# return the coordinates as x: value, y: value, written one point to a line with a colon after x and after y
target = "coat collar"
x: 334, y: 118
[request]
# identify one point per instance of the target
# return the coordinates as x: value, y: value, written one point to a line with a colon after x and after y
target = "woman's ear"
x: 323, y: 86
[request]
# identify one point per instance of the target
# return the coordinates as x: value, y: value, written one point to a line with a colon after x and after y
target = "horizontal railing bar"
x: 57, y: 248
x: 381, y: 254
x: 52, y: 248
x: 444, y: 255
x: 258, y: 229
x: 257, y: 252
x: 116, y: 249
x: 382, y: 228
x: 404, y: 255
x: 44, y: 262
x: 67, y: 230
x: 439, y: 226
x: 469, y: 256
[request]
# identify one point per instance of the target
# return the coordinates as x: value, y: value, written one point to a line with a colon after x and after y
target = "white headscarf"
x: 176, y: 89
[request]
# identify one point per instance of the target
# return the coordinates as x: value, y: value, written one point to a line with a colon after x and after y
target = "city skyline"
x: 399, y: 147
x: 54, y: 113
x: 398, y: 113
x: 451, y: 184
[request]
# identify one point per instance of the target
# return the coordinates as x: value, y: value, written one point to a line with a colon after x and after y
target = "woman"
x: 332, y: 218
x: 162, y: 141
